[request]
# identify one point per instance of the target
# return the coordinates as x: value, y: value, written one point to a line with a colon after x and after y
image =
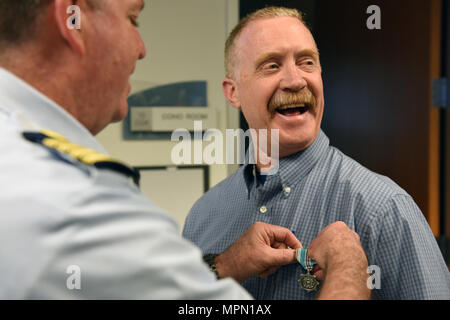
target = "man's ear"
x: 64, y: 12
x: 231, y: 93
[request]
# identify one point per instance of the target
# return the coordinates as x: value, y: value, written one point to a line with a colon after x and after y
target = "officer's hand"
x: 335, y: 247
x: 260, y: 251
x: 341, y: 261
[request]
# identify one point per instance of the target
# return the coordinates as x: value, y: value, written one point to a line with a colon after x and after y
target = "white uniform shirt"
x: 64, y: 224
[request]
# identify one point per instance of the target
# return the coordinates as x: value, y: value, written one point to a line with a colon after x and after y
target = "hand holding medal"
x: 343, y: 263
x: 307, y: 281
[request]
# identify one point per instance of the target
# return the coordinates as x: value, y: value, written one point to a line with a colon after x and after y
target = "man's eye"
x: 272, y: 66
x: 308, y: 65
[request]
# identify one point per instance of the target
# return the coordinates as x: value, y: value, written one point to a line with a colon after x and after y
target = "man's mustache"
x: 305, y: 97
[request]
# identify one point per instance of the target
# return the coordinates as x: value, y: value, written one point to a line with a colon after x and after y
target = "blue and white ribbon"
x: 301, y: 255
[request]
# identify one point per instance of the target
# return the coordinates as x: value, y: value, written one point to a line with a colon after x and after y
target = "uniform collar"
x: 31, y: 110
x: 294, y: 167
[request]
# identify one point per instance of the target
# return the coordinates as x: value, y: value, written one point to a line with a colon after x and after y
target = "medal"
x: 307, y: 281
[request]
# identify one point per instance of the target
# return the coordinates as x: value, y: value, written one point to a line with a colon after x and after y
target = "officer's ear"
x: 231, y: 92
x: 67, y: 15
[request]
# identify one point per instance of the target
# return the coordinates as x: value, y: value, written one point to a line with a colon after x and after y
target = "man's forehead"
x: 265, y: 34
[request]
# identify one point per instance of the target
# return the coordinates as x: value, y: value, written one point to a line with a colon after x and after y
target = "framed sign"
x: 156, y: 112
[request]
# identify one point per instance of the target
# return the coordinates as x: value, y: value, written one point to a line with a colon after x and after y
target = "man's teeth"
x: 291, y: 107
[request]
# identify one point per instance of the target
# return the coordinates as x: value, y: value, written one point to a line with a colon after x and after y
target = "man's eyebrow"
x: 266, y: 57
x: 309, y: 52
x: 274, y: 55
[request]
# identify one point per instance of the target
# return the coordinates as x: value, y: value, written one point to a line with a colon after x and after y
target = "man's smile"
x: 292, y: 104
x: 293, y: 110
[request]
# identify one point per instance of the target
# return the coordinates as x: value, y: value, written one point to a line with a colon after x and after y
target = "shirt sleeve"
x: 411, y: 264
x: 124, y: 248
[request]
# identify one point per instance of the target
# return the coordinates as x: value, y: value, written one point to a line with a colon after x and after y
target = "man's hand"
x: 342, y: 262
x: 260, y: 251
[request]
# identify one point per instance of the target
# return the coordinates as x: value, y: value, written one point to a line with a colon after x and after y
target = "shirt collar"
x: 294, y: 167
x: 32, y: 110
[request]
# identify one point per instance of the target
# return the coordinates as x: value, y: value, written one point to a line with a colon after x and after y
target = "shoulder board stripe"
x: 55, y: 141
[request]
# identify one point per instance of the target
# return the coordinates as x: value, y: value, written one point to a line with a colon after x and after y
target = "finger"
x: 284, y: 235
x: 357, y: 236
x: 321, y: 264
x: 316, y: 268
x: 320, y: 274
x: 281, y: 257
x: 279, y: 245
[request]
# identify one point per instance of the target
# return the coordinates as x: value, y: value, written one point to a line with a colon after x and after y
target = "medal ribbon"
x: 302, y: 256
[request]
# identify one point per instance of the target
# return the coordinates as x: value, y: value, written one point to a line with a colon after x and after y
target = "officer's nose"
x: 142, y: 49
x: 292, y: 79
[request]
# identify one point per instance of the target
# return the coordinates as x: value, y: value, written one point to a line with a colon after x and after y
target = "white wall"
x: 185, y: 41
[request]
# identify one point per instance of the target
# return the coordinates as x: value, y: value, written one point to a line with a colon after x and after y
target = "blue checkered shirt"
x: 312, y: 189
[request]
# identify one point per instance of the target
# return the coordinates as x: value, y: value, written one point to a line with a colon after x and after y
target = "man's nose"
x: 292, y: 79
x: 142, y: 49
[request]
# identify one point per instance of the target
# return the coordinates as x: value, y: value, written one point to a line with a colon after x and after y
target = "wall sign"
x: 154, y: 113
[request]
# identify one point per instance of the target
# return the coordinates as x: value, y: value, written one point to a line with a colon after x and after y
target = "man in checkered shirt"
x: 274, y: 77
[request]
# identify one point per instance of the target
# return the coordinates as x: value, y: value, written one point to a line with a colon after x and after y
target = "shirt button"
x: 263, y: 209
x: 287, y: 190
